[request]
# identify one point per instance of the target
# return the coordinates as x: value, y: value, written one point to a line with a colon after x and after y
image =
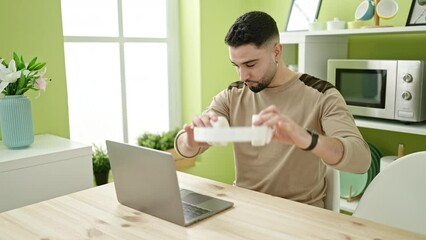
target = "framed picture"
x: 417, y: 15
x: 302, y: 12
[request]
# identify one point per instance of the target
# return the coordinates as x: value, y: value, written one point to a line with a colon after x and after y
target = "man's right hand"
x: 186, y: 143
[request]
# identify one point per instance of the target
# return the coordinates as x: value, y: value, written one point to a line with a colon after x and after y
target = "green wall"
x: 213, y: 72
x: 34, y: 29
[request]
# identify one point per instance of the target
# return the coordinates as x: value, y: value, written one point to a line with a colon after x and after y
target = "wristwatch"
x: 314, y: 140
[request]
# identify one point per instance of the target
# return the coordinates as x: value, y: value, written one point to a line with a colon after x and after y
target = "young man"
x: 293, y: 165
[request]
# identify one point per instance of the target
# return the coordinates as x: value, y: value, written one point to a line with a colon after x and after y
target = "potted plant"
x: 162, y: 141
x: 101, y: 165
x: 16, y: 78
x: 165, y: 142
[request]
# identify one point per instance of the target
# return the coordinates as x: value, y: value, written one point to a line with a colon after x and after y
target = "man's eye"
x: 250, y: 65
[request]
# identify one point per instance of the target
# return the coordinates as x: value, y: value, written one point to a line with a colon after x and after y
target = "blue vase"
x: 16, y: 121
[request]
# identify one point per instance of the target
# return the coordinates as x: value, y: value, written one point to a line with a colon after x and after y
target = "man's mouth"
x: 250, y: 83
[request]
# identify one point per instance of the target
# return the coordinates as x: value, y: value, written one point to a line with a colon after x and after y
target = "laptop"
x: 145, y: 179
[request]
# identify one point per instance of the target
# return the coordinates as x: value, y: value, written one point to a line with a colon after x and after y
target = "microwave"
x: 387, y: 89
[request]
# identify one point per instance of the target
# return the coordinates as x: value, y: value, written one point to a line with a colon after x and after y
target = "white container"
x: 220, y: 134
x: 316, y: 26
x: 336, y: 24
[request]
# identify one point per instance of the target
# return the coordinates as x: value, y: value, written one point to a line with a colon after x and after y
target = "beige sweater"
x: 285, y: 170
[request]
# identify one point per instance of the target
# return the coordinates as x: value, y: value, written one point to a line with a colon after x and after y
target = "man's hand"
x: 186, y: 142
x: 284, y: 128
x: 329, y: 149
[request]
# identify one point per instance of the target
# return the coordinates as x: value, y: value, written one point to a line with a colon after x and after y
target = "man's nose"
x: 244, y: 74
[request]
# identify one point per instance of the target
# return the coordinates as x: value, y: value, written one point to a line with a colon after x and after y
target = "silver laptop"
x: 145, y: 179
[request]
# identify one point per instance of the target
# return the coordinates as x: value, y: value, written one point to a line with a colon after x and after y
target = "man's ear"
x: 278, y: 49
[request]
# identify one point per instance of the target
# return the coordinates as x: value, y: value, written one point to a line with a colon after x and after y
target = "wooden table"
x: 95, y: 213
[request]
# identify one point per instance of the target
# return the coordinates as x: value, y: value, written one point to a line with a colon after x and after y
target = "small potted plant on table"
x: 101, y: 165
x: 165, y: 142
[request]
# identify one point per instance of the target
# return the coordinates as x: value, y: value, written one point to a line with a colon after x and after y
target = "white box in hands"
x: 221, y: 134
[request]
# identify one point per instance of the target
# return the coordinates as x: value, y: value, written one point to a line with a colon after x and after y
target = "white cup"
x: 336, y: 24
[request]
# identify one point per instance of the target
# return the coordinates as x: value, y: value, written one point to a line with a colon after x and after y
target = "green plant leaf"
x: 18, y: 61
x: 4, y: 62
x: 162, y: 141
x: 32, y: 63
x: 22, y: 62
x: 15, y: 57
x: 22, y: 80
x: 37, y: 66
x: 22, y: 91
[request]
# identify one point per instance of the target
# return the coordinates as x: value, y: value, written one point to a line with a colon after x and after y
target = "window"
x: 121, y: 67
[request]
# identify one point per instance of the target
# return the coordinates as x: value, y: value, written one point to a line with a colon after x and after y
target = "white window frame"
x: 172, y: 41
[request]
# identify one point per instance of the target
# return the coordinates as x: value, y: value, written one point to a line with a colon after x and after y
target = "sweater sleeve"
x: 219, y: 105
x: 338, y: 122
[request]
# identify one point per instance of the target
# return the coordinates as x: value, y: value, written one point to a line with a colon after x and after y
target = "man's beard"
x: 260, y: 86
x: 263, y: 83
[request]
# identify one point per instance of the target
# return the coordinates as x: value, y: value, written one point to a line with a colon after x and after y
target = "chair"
x: 332, y: 198
x: 397, y: 195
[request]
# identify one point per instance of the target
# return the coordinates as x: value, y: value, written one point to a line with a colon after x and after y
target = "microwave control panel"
x: 410, y: 104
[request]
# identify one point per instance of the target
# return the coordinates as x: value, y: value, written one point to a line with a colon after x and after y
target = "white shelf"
x: 298, y: 37
x: 395, y: 126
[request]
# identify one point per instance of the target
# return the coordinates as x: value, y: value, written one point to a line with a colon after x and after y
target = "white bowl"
x: 316, y: 26
x: 356, y: 24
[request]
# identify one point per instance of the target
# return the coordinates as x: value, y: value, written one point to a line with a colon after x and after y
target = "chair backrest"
x: 332, y: 198
x: 397, y: 195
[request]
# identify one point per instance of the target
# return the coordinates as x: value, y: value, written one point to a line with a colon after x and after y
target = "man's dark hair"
x: 252, y: 28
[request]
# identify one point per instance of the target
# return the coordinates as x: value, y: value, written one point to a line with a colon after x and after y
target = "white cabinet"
x: 312, y: 49
x: 52, y: 166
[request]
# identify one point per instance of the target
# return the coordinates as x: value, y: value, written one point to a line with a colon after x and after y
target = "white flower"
x: 18, y: 77
x: 8, y: 74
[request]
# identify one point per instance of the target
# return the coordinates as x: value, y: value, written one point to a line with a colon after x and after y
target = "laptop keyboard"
x: 193, y: 211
